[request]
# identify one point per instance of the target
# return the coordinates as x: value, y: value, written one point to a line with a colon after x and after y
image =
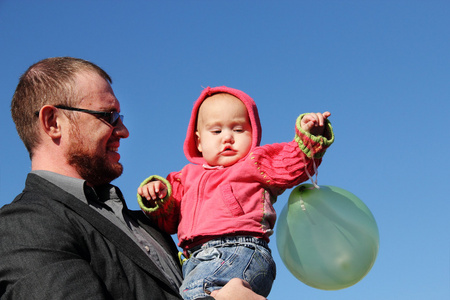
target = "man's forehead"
x: 91, y: 80
x: 95, y: 91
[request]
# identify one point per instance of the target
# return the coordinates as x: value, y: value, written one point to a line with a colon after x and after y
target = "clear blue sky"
x: 382, y: 68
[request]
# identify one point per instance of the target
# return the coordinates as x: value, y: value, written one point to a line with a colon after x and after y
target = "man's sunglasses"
x: 110, y: 117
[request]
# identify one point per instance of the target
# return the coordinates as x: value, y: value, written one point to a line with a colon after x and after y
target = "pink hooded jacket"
x: 206, y: 202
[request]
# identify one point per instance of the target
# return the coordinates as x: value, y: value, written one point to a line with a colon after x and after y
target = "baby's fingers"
x: 319, y: 119
x: 162, y: 193
x: 142, y: 192
x: 326, y: 114
x: 147, y: 192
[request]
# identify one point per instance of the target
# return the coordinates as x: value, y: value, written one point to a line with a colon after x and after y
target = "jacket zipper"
x: 199, y: 200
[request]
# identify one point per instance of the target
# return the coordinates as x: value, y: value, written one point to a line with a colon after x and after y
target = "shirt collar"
x: 74, y: 186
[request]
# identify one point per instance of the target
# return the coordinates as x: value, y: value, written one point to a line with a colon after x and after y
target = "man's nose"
x: 120, y: 130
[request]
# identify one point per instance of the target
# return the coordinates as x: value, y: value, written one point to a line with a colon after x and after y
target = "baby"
x: 221, y: 204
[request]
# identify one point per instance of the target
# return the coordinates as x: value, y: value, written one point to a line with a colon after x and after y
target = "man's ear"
x: 49, y: 120
x: 197, y: 141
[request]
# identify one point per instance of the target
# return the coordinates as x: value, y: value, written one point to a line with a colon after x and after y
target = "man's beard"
x: 94, y: 168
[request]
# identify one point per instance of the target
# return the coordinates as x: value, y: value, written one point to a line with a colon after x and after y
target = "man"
x: 69, y: 234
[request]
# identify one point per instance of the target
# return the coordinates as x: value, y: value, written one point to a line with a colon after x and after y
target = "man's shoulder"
x: 37, y: 191
x: 40, y: 201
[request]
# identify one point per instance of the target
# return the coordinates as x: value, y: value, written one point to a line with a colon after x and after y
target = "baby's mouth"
x: 228, y: 151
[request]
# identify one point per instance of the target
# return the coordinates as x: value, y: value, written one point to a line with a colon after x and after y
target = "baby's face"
x: 224, y: 133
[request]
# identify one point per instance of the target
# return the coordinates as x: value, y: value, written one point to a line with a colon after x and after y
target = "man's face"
x: 93, y: 145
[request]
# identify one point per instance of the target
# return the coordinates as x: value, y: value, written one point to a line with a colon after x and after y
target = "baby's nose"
x: 228, y: 138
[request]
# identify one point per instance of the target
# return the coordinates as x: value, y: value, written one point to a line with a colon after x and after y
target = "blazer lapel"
x: 111, y: 232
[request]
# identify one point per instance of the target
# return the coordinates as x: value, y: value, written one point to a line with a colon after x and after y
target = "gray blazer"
x: 53, y: 246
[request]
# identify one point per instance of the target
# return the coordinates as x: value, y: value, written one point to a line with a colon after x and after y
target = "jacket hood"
x: 190, y: 147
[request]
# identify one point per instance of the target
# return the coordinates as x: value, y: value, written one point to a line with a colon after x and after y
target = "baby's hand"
x: 153, y: 190
x: 314, y: 123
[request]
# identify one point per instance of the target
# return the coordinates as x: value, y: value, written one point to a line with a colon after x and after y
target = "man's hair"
x: 50, y: 81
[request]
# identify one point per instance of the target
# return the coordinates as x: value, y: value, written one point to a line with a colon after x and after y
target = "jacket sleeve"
x: 282, y: 166
x: 312, y: 145
x: 166, y: 213
x: 42, y: 258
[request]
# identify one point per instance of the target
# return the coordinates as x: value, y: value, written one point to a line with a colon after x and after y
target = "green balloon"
x: 327, y: 237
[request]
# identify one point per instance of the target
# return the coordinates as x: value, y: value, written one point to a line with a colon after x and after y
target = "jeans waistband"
x: 230, y: 240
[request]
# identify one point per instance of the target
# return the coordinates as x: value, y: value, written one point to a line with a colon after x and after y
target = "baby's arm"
x: 314, y: 123
x: 156, y: 199
x: 153, y: 190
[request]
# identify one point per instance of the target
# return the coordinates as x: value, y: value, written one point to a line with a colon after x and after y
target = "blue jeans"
x: 214, y: 263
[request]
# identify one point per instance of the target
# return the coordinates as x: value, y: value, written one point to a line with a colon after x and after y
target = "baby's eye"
x: 216, y: 131
x: 238, y: 129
